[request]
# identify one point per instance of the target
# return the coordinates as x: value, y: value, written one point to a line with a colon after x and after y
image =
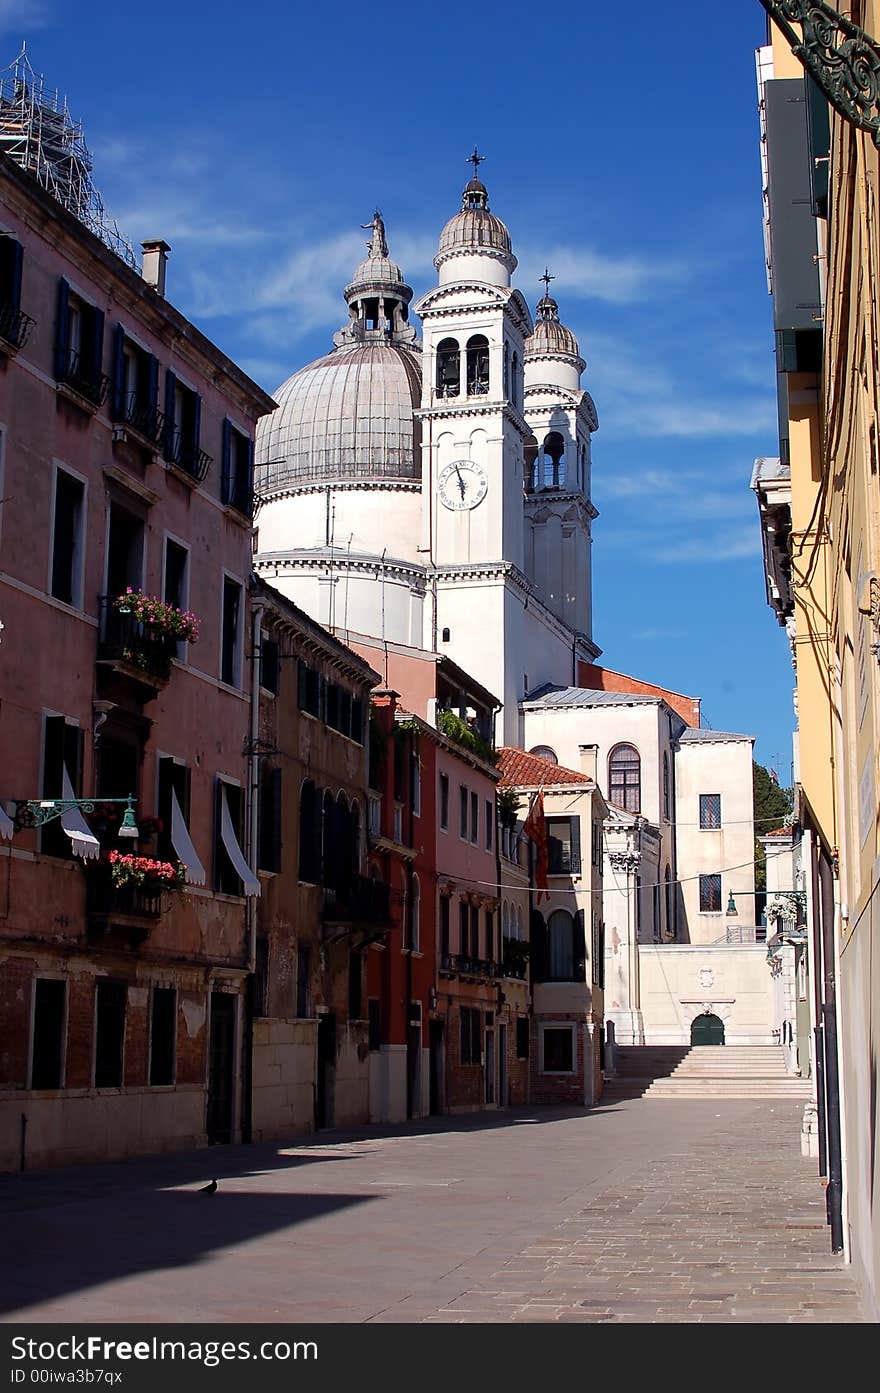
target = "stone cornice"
x: 344, y: 486
x: 285, y: 563
x: 547, y: 497
x: 457, y: 408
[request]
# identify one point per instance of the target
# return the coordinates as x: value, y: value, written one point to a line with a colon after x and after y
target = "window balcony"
x: 184, y: 453
x: 134, y: 649
x: 131, y: 910
x: 358, y: 902
x: 81, y: 382
x: 15, y: 326
x: 142, y: 419
x: 480, y: 969
x: 374, y: 815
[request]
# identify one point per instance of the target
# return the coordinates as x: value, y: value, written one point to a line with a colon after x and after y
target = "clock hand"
x: 461, y: 483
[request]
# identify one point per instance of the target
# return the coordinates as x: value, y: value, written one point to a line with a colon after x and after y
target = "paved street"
x: 638, y: 1211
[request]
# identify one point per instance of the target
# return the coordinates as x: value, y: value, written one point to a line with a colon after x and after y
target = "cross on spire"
x: 546, y: 278
x: 476, y: 159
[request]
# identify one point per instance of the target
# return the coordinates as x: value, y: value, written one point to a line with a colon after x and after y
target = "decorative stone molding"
x: 625, y: 860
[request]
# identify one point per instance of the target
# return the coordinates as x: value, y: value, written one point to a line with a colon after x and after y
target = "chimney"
x: 154, y: 262
x: 590, y: 761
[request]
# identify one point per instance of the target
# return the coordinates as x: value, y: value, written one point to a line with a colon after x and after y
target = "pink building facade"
x: 125, y: 463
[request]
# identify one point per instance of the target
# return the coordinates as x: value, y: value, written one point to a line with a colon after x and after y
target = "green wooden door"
x: 707, y: 1030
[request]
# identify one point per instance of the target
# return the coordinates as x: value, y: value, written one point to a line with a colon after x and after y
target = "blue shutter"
x: 226, y: 463
x: 62, y: 331
x: 575, y: 846
x: 168, y: 444
x: 153, y: 392
x: 117, y: 400
x: 580, y: 948
x: 538, y: 946
x: 249, y: 495
x: 96, y: 348
x: 197, y: 426
x: 16, y: 256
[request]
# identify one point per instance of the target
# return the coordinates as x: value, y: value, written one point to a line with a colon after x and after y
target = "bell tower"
x: 558, y: 510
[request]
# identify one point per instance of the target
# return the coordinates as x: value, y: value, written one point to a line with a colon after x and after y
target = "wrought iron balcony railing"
x: 15, y: 325
x: 358, y: 900
x: 476, y: 967
x: 143, y: 417
x: 124, y: 638
x: 185, y: 453
x: 104, y: 899
x: 83, y: 378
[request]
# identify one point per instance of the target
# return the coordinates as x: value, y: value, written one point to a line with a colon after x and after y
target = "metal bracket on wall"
x: 842, y: 58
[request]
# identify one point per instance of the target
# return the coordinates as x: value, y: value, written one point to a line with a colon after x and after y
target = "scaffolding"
x: 38, y: 132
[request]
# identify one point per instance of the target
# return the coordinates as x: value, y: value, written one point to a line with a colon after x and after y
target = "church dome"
x: 549, y: 336
x: 350, y: 414
x: 475, y: 229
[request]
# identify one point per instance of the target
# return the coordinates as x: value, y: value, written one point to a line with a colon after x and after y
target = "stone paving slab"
x: 639, y: 1211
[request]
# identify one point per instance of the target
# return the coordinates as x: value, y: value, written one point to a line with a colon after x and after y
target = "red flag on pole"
x: 535, y: 827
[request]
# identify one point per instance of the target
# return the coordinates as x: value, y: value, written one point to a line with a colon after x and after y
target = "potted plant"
x: 145, y: 872
x: 160, y: 620
x: 516, y: 957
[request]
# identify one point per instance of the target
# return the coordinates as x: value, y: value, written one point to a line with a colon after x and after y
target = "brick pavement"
x: 638, y: 1211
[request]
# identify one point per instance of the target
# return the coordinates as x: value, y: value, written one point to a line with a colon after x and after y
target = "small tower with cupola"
x: 558, y: 511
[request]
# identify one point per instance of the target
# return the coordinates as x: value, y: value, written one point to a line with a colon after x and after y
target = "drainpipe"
x: 834, y: 1193
x: 253, y: 781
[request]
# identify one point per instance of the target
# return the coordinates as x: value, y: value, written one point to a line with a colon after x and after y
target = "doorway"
x: 221, y: 1054
x: 490, y: 1066
x: 326, y: 1062
x: 502, y: 1067
x: 414, y: 1061
x: 707, y: 1030
x: 436, y: 1050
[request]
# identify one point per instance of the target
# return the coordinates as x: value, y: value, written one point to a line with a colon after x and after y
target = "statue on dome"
x: 377, y: 246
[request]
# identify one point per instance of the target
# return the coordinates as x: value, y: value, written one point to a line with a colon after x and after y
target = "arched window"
x: 355, y: 816
x: 519, y: 922
x: 553, y: 453
x: 666, y: 785
x: 446, y: 635
x: 477, y: 366
x: 560, y: 946
x: 506, y: 372
x: 530, y: 468
x: 309, y: 834
x: 545, y: 752
x: 329, y: 841
x: 415, y: 906
x: 505, y: 920
x: 625, y: 778
x: 448, y: 369
x: 514, y: 380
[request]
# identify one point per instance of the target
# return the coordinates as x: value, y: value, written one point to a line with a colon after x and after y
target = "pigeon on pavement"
x: 209, y: 1189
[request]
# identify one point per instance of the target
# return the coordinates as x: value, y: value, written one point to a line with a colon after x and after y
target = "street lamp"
x: 36, y: 812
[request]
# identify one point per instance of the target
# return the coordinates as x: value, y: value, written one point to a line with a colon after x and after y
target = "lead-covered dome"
x: 550, y: 338
x: 351, y: 414
x: 475, y: 229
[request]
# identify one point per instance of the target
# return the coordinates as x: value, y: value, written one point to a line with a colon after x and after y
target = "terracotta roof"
x: 778, y: 832
x: 519, y: 770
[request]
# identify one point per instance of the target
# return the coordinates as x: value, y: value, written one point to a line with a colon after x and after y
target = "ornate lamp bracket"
x: 842, y: 58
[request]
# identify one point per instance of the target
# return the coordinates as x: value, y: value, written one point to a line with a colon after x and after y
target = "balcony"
x: 130, y: 910
x: 141, y: 419
x: 82, y: 383
x: 360, y: 902
x: 516, y: 959
x: 15, y: 326
x: 479, y: 969
x: 184, y: 453
x: 133, y: 649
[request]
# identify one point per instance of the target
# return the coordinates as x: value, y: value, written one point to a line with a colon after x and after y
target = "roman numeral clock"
x: 462, y: 484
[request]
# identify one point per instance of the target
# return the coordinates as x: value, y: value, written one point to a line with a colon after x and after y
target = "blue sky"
x: 622, y: 150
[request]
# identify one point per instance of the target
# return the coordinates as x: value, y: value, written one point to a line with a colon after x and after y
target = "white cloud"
x: 23, y: 14
x: 742, y: 544
x: 588, y: 273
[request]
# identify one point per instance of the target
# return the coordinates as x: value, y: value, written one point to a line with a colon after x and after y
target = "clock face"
x: 462, y: 484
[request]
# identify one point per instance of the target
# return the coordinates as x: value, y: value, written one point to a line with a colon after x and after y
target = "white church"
x: 435, y: 495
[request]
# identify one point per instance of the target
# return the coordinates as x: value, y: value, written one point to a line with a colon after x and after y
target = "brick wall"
x: 602, y: 679
x: 558, y: 1089
x: 15, y: 1009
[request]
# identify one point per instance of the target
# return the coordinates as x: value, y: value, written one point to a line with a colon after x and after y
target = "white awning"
x: 6, y: 824
x: 180, y: 840
x: 233, y: 850
x: 82, y: 842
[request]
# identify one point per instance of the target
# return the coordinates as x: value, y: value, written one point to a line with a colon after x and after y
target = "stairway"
x: 705, y: 1071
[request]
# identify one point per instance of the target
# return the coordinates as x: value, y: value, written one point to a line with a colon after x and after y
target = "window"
x: 309, y: 689
x: 710, y: 811
x: 134, y: 397
x: 176, y: 579
x: 62, y: 753
x: 477, y: 365
x: 448, y: 369
x: 68, y: 531
x: 226, y: 878
x: 125, y: 550
x: 625, y: 778
x: 374, y: 1024
x: 522, y: 1037
x: 598, y: 944
x: 237, y: 472
x: 475, y: 930
x: 415, y: 784
x: 269, y: 665
x: 47, y: 1055
x: 230, y: 656
x: 560, y: 946
x: 444, y: 926
x: 355, y: 983
x: 464, y: 920
x: 670, y: 903
x: 552, y: 462
x: 303, y: 982
x: 79, y: 345
x: 110, y: 1001
x: 506, y: 377
x: 490, y: 937
x: 163, y: 1013
x: 444, y: 802
x: 414, y: 915
x: 557, y: 1049
x: 446, y: 635
x: 174, y: 777
x: 309, y: 834
x: 490, y: 824
x: 666, y: 804
x: 514, y: 380
x: 710, y: 894
x: 183, y: 422
x: 463, y: 812
x: 14, y: 325
x: 475, y: 818
x: 545, y: 752
x: 563, y: 845
x: 269, y: 821
x: 471, y: 1043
